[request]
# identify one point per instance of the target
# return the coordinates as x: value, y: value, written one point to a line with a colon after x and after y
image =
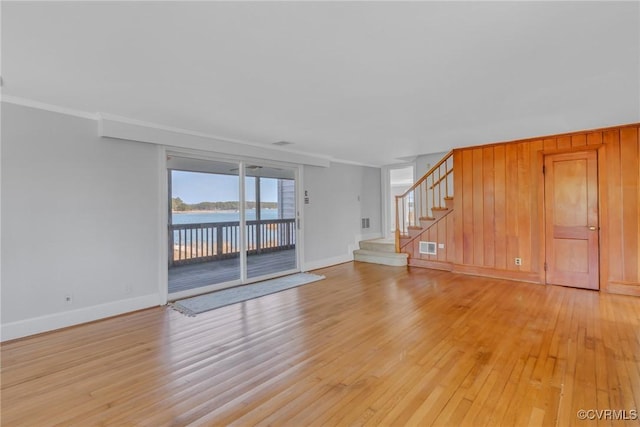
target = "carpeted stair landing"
x: 380, y: 251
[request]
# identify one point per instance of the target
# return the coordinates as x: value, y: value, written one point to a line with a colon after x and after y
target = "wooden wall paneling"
x: 500, y: 208
x: 579, y: 140
x: 488, y: 187
x: 563, y: 142
x: 525, y: 190
x: 511, y: 205
x: 541, y: 240
x: 467, y: 207
x: 416, y: 246
x: 441, y: 238
x: 424, y: 238
x: 550, y: 144
x: 450, y: 243
x: 497, y: 214
x: 478, y: 210
x: 614, y: 203
x: 441, y: 232
x: 594, y: 138
x: 629, y: 165
x: 536, y: 220
x: 432, y: 236
x: 458, y: 208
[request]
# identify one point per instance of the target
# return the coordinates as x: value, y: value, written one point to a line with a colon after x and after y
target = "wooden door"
x: 571, y: 219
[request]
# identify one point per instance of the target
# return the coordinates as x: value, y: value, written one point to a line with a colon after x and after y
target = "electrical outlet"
x: 440, y: 245
x: 518, y: 261
x: 128, y: 288
x: 68, y: 299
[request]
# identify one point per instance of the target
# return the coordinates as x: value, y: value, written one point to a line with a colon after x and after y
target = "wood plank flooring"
x: 370, y: 345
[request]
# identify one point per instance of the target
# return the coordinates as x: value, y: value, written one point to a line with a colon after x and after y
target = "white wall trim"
x: 275, y: 152
x: 300, y: 221
x: 163, y: 232
x: 36, y: 325
x: 48, y: 107
x: 350, y: 162
x: 388, y: 211
x: 134, y: 130
x: 327, y: 262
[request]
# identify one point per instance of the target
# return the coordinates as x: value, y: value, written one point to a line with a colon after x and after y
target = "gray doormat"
x: 201, y: 303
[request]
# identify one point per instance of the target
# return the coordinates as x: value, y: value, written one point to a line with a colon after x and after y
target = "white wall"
x: 79, y: 217
x: 339, y: 196
x: 426, y: 162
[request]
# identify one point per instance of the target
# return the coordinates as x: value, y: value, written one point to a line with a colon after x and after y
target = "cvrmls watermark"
x: 608, y: 414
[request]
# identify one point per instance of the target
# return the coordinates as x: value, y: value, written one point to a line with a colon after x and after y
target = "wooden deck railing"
x: 427, y: 193
x: 209, y: 241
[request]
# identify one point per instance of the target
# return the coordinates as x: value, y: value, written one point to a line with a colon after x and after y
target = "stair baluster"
x: 414, y: 213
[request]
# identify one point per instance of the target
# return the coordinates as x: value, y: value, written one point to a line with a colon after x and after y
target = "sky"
x: 195, y: 187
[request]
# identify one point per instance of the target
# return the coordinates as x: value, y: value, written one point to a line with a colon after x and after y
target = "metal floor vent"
x: 428, y: 248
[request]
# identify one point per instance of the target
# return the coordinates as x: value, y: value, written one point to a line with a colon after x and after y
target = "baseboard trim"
x: 327, y: 262
x: 472, y: 270
x: 522, y: 276
x: 436, y: 265
x: 623, y: 288
x: 36, y: 325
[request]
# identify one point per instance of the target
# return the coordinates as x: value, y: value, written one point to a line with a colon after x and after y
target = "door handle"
x: 593, y: 228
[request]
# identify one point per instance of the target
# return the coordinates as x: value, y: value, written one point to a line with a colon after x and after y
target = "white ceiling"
x: 366, y: 82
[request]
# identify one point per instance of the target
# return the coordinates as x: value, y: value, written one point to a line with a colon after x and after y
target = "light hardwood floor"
x: 370, y: 345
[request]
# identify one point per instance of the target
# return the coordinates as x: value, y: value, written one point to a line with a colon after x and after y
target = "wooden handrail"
x: 441, y: 179
x: 397, y: 232
x: 427, y: 193
x: 424, y: 177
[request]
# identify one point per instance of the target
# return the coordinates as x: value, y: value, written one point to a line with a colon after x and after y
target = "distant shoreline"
x: 215, y: 211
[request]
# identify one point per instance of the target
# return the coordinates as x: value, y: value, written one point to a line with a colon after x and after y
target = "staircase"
x: 414, y: 231
x: 428, y: 201
x: 424, y: 204
x: 380, y: 251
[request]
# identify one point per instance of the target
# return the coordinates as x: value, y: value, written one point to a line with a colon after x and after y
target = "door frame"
x: 388, y: 210
x: 163, y: 236
x: 602, y: 212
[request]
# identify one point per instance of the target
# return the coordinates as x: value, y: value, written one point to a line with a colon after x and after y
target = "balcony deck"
x: 191, y: 276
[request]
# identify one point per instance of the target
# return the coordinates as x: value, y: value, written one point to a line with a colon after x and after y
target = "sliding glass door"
x: 229, y: 224
x: 270, y: 216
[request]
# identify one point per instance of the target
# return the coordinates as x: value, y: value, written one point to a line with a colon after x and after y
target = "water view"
x: 197, y: 217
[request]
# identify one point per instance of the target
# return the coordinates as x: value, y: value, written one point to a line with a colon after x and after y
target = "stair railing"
x: 427, y: 193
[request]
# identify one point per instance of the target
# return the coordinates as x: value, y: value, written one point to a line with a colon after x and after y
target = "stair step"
x: 377, y: 257
x: 439, y: 212
x: 448, y: 202
x: 414, y: 230
x: 379, y: 245
x: 426, y: 221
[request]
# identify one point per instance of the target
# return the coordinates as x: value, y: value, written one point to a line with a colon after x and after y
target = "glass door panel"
x: 270, y: 215
x: 204, y: 224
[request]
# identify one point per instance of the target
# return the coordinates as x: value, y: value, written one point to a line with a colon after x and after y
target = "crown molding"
x: 24, y: 102
x: 110, y: 126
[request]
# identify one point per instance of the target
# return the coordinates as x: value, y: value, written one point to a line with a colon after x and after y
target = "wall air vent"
x: 428, y: 248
